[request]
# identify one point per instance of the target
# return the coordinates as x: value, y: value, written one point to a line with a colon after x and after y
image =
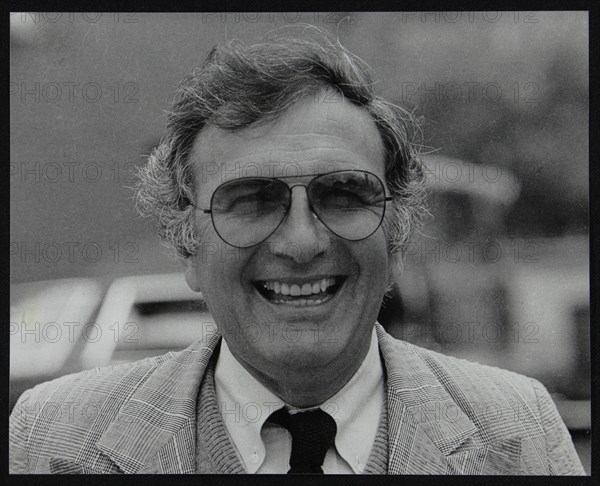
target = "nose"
x: 301, y: 236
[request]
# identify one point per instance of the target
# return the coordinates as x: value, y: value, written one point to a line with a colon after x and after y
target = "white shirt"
x: 245, y: 405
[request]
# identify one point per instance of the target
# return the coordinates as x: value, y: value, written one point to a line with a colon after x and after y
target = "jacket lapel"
x: 425, y: 423
x: 429, y: 433
x: 155, y: 430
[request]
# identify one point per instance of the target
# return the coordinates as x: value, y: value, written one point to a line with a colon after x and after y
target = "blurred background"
x: 499, y: 274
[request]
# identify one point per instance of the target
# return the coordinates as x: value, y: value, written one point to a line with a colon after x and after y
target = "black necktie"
x: 313, y: 433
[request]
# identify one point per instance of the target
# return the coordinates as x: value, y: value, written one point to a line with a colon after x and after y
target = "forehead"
x: 315, y: 135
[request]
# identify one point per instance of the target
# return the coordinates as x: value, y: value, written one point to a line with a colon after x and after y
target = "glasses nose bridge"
x: 298, y: 184
x: 308, y: 201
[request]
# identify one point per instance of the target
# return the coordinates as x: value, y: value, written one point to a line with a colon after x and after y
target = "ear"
x: 192, y: 274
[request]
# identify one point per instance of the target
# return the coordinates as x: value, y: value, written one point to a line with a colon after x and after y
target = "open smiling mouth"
x: 309, y: 293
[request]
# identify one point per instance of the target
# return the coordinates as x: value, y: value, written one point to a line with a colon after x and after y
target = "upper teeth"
x: 308, y: 288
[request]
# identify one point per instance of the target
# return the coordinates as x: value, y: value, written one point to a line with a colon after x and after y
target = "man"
x: 289, y: 187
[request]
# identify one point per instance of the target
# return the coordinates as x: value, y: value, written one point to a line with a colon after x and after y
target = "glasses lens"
x: 351, y: 204
x: 246, y: 211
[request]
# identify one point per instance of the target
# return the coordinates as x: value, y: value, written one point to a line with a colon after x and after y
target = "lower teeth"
x: 299, y: 302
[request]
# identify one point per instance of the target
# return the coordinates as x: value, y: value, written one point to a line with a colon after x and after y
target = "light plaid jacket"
x: 445, y: 416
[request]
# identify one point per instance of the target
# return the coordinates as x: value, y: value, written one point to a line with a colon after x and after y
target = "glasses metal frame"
x: 290, y: 187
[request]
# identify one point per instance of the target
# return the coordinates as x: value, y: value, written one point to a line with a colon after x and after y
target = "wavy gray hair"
x: 240, y: 85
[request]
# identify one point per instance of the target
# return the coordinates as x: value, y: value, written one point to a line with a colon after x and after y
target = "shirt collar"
x: 245, y: 405
x: 356, y: 409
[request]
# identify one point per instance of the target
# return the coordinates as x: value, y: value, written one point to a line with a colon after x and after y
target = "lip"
x: 300, y: 280
x: 295, y: 302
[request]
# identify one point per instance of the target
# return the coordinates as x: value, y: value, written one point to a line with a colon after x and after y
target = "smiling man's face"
x: 308, y: 345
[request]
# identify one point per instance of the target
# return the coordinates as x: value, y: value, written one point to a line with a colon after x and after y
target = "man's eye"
x: 353, y: 192
x: 239, y: 201
x: 343, y: 197
x: 258, y: 201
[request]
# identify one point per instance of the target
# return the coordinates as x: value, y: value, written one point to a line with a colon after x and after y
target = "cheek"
x: 208, y: 266
x: 216, y: 288
x: 375, y: 262
x: 220, y: 269
x: 210, y: 250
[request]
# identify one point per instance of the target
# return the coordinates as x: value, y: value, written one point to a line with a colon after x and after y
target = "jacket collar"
x: 154, y: 431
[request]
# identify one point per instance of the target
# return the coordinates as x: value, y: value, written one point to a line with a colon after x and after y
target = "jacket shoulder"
x: 500, y: 402
x: 62, y: 416
x: 503, y: 404
x: 95, y: 384
x: 477, y: 378
x: 470, y: 377
x: 79, y: 400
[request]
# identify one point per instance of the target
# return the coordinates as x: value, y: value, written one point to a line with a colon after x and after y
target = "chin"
x: 306, y: 355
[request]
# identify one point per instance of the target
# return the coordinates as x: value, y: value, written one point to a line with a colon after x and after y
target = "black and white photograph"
x: 299, y: 243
